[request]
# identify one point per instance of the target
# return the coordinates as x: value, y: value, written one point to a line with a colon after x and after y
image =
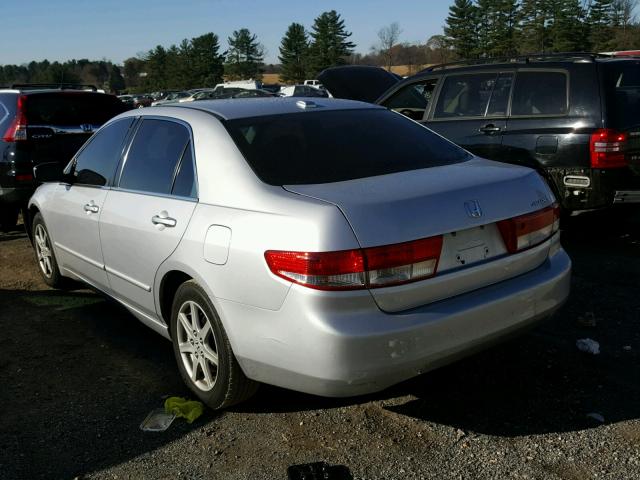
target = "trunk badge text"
x: 473, y: 208
x: 86, y: 127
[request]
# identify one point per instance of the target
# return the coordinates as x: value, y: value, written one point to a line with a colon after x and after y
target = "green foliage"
x: 329, y: 45
x: 461, y: 28
x: 508, y: 27
x: 245, y: 55
x: 294, y: 50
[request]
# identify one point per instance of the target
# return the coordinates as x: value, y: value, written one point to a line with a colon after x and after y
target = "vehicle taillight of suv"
x: 43, y: 123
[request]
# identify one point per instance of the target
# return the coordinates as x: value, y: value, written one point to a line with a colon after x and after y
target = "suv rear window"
x: 71, y: 108
x: 622, y: 94
x: 334, y: 146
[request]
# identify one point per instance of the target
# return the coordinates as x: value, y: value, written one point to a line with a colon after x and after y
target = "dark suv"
x: 573, y: 117
x: 43, y: 123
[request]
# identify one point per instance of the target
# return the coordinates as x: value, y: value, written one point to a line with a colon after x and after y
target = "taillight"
x: 17, y: 130
x: 359, y: 268
x: 527, y: 231
x: 607, y: 148
x: 24, y: 177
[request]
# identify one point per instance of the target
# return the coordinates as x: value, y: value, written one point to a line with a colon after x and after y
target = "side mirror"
x: 50, y: 172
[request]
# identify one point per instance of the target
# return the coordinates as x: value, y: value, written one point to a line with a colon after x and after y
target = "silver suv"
x: 326, y: 246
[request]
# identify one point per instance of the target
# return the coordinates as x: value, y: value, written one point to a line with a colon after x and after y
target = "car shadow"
x: 79, y: 374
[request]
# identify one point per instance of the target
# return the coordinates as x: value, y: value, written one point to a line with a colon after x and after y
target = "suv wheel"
x: 202, y: 350
x: 45, y: 257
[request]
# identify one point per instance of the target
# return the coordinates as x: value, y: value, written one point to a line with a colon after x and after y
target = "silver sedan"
x: 326, y: 246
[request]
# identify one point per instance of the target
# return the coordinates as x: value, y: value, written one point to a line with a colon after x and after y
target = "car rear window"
x: 70, y: 108
x: 333, y: 146
x: 622, y: 94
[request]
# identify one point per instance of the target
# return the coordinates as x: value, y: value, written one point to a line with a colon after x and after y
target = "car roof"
x: 232, y: 109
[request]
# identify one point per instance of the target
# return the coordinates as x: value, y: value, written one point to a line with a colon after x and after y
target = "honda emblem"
x: 473, y: 208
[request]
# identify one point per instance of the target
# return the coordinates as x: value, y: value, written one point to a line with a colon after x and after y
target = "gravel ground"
x: 78, y: 375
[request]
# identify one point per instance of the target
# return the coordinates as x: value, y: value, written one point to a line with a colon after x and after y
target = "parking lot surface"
x: 79, y: 374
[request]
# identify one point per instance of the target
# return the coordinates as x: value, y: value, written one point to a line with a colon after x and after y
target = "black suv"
x: 43, y: 123
x: 574, y: 117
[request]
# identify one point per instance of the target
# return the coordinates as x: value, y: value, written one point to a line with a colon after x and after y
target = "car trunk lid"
x: 461, y: 202
x: 358, y: 82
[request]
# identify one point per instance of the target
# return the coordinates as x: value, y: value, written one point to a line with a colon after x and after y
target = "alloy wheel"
x: 197, y: 345
x: 43, y: 251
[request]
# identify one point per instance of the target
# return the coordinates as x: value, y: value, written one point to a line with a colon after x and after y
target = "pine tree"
x: 485, y: 17
x: 206, y: 61
x: 329, y: 46
x: 533, y: 31
x: 460, y: 29
x: 294, y: 49
x: 244, y: 56
x: 600, y: 21
x: 502, y: 33
x: 567, y: 29
x: 116, y: 81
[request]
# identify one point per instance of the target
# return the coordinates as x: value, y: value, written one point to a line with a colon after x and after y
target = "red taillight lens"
x: 17, y: 130
x: 607, y: 148
x: 24, y: 177
x: 342, y: 270
x: 359, y: 268
x: 527, y: 231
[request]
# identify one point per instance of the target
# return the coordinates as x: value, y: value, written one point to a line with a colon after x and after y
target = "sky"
x: 63, y: 29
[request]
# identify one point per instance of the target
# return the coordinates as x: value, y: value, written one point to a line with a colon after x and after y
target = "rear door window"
x: 413, y: 100
x: 465, y: 95
x: 154, y: 156
x: 97, y: 161
x: 539, y: 93
x: 622, y: 94
x: 333, y: 146
x: 71, y: 108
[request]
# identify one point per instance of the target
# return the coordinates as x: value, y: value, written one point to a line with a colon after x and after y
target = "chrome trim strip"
x: 127, y: 278
x: 627, y: 196
x: 80, y: 256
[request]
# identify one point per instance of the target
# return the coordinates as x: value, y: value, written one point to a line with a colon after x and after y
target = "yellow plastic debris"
x: 181, y: 407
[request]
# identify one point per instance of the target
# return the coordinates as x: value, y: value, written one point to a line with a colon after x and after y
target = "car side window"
x: 539, y: 93
x: 185, y: 183
x: 465, y: 95
x: 154, y: 155
x: 98, y: 160
x: 412, y: 100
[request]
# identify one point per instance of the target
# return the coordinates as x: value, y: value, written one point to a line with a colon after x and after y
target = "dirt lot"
x: 78, y: 375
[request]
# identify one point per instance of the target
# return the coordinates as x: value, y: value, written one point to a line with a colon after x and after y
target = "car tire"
x: 197, y: 347
x: 45, y: 256
x: 8, y: 218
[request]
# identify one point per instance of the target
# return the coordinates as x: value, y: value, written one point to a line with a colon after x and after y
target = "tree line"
x: 490, y: 28
x: 199, y: 61
x: 473, y: 29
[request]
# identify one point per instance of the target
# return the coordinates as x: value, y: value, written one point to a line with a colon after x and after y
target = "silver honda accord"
x: 326, y: 246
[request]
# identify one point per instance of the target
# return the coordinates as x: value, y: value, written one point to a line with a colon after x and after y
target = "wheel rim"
x: 43, y: 251
x: 197, y: 345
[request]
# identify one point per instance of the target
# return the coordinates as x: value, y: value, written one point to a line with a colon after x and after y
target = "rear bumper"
x: 334, y: 345
x: 605, y: 187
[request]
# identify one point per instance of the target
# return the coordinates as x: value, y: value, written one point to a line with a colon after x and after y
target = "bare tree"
x: 389, y: 36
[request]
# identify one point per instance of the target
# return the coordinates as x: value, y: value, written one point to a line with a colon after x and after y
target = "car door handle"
x: 91, y: 207
x: 489, y: 129
x: 166, y: 221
